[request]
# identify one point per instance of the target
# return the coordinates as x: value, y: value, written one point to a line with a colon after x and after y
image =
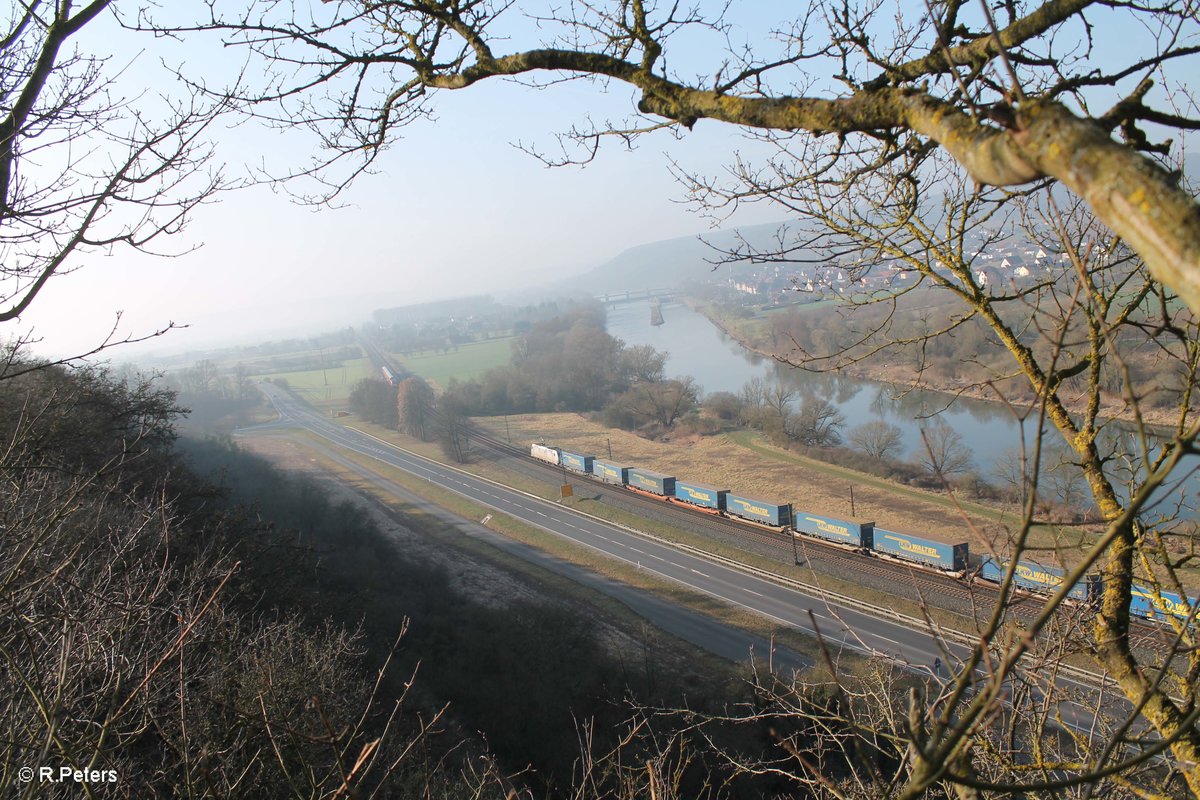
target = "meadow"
x: 468, y: 361
x: 329, y: 387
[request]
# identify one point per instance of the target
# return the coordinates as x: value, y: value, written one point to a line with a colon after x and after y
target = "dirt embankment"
x: 486, y: 585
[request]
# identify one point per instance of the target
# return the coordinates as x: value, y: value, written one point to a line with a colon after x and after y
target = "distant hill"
x: 672, y: 262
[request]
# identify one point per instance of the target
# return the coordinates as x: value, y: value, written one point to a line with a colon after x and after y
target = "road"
x: 842, y: 627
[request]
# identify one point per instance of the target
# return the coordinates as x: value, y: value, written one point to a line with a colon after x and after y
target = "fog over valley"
x: 607, y: 400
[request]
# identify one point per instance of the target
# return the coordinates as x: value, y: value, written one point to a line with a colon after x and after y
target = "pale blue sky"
x: 455, y: 209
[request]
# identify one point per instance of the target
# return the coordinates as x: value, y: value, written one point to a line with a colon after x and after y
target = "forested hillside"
x: 171, y: 640
x: 167, y: 641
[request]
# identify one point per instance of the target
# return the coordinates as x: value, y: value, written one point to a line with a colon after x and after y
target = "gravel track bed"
x: 817, y: 560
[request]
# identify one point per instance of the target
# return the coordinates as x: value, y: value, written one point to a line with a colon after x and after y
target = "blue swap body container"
x: 759, y: 510
x: 576, y: 462
x: 610, y: 473
x: 699, y: 495
x: 1039, y: 578
x: 842, y: 531
x: 916, y: 548
x: 654, y: 482
x: 1161, y: 605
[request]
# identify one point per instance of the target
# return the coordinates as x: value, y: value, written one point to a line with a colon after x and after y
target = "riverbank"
x: 1017, y: 398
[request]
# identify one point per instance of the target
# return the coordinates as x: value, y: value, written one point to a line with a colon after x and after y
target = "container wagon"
x: 653, y: 482
x: 925, y: 551
x: 843, y: 531
x: 1160, y: 605
x: 779, y: 516
x: 1040, y: 578
x: 576, y: 462
x: 542, y: 453
x: 699, y: 495
x: 610, y: 473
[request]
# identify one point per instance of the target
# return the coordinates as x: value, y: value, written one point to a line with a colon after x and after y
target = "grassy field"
x: 467, y: 362
x: 753, y: 441
x: 326, y: 388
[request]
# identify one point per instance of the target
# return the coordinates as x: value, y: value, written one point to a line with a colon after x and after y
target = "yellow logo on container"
x: 753, y: 509
x: 1038, y: 575
x: 912, y: 547
x: 828, y: 527
x: 1166, y: 604
x: 643, y: 480
x: 697, y: 495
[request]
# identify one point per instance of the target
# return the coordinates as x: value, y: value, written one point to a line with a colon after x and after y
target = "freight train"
x: 856, y: 535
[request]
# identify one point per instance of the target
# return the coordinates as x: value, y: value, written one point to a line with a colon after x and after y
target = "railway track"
x: 808, y: 557
x: 911, y: 582
x: 815, y: 557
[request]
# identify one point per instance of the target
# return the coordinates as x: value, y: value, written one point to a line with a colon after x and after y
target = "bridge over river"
x: 638, y: 296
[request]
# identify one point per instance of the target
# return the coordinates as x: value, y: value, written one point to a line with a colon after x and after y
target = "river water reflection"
x: 719, y: 364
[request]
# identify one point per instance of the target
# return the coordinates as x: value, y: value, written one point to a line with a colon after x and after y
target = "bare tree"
x: 944, y: 454
x: 660, y: 403
x: 643, y: 363
x: 453, y: 428
x: 754, y: 400
x: 82, y: 170
x: 944, y: 132
x: 417, y: 408
x: 878, y: 439
x: 778, y: 399
x: 818, y: 423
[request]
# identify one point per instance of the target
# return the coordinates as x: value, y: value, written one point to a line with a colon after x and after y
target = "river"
x: 698, y: 348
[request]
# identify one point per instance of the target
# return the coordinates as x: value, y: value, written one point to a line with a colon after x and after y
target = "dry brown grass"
x: 718, y: 461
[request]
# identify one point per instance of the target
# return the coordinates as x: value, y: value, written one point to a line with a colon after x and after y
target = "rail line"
x: 928, y: 587
x: 815, y: 556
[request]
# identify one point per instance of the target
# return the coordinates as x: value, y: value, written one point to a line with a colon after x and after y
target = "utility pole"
x: 609, y: 440
x: 852, y: 501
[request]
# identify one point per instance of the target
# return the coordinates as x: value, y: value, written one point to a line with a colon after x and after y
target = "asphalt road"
x: 842, y: 628
x: 726, y: 641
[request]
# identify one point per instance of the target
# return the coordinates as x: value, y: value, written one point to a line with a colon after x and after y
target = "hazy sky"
x: 455, y: 209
